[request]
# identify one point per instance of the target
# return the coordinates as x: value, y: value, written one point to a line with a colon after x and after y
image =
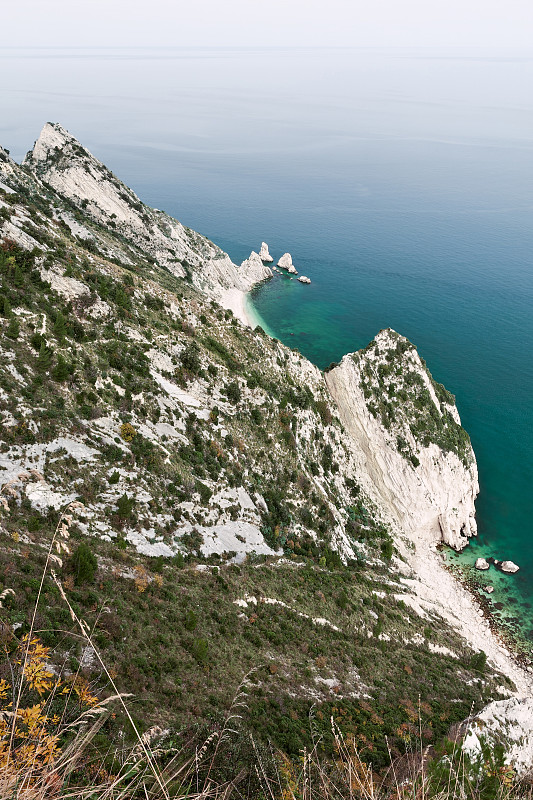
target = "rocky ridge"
x: 59, y: 160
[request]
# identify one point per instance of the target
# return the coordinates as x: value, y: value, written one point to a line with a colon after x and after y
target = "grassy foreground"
x: 63, y: 735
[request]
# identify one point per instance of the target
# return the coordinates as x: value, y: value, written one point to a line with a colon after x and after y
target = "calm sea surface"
x: 400, y: 181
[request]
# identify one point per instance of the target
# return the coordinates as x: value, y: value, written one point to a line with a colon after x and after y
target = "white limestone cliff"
x: 509, y: 723
x: 253, y: 271
x: 417, y: 462
x: 285, y: 262
x: 264, y: 255
x: 62, y: 162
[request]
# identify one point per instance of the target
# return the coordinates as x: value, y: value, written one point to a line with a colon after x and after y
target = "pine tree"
x: 44, y: 359
x: 13, y: 329
x: 7, y: 308
x: 60, y: 326
x: 60, y: 372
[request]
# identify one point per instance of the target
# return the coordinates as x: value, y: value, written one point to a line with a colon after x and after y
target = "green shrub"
x: 387, y: 549
x: 233, y: 392
x: 13, y: 329
x: 60, y: 372
x: 191, y: 620
x: 479, y: 661
x: 125, y: 506
x: 83, y: 564
x: 190, y: 358
x: 200, y: 650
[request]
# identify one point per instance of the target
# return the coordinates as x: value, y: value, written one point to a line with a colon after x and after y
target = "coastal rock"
x: 304, y: 279
x: 264, y: 255
x: 253, y: 270
x: 508, y: 723
x: 488, y: 589
x: 481, y: 563
x: 509, y: 566
x: 425, y: 483
x: 285, y: 262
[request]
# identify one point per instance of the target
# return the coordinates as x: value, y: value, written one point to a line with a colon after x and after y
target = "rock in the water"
x: 285, y: 262
x: 304, y: 279
x: 509, y: 566
x: 481, y: 563
x: 488, y: 589
x: 264, y: 255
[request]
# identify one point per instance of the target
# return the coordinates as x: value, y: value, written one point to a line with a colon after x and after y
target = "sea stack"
x: 264, y: 255
x: 285, y: 262
x: 304, y: 279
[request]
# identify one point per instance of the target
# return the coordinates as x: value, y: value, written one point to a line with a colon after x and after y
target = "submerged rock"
x: 304, y: 279
x: 481, y: 563
x: 264, y: 255
x: 285, y: 262
x: 509, y: 566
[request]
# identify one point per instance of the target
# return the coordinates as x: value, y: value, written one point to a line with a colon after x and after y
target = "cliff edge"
x: 405, y: 429
x: 59, y: 160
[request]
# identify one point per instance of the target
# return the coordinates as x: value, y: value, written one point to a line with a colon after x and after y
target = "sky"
x: 297, y: 23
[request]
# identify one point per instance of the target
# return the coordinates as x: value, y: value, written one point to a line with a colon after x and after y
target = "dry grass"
x: 48, y: 723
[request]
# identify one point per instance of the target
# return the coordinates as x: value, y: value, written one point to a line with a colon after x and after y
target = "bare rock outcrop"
x: 264, y: 255
x: 253, y: 271
x: 508, y: 723
x: 285, y: 262
x: 416, y: 459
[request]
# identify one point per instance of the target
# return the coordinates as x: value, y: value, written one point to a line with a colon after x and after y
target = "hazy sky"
x: 507, y: 23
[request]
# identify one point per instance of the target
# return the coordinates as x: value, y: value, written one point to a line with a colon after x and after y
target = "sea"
x: 401, y: 181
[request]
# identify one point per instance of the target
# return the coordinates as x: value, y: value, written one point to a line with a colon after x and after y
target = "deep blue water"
x: 401, y: 182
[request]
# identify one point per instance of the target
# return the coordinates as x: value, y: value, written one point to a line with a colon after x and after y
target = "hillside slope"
x: 232, y: 511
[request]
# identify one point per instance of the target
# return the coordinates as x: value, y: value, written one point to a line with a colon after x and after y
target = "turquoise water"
x: 401, y: 182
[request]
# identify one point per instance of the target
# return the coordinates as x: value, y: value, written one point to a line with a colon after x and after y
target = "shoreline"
x: 436, y: 585
x: 239, y: 302
x: 437, y: 589
x: 235, y: 301
x: 500, y: 631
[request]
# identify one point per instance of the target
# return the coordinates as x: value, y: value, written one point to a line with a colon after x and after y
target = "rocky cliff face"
x: 414, y: 457
x: 73, y: 172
